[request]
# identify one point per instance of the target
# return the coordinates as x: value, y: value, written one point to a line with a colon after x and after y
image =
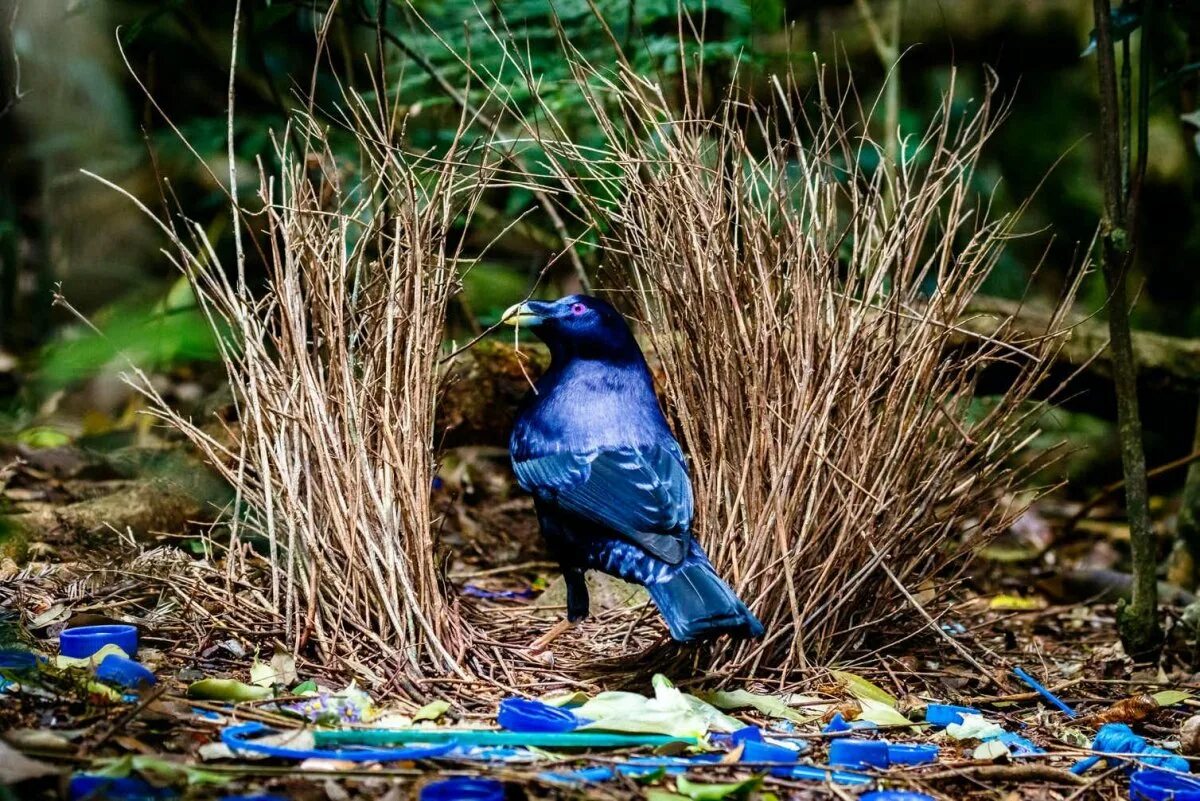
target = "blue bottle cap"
x: 83, y: 641
x: 524, y: 715
x: 1158, y: 785
x: 124, y: 672
x: 912, y: 753
x: 858, y: 753
x: 945, y: 714
x: 894, y: 795
x: 460, y: 789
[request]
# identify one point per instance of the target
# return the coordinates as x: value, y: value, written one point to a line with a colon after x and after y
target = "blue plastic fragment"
x: 753, y: 751
x: 17, y: 659
x: 894, y: 795
x: 95, y: 786
x: 1118, y: 738
x: 818, y: 774
x: 81, y: 642
x: 462, y: 789
x: 124, y: 672
x: 525, y: 715
x: 881, y: 754
x: 635, y: 768
x: 1158, y: 785
x: 237, y: 739
x: 945, y: 714
x: 747, y: 734
x: 480, y: 592
x: 859, y: 754
x: 1037, y: 687
x: 911, y: 753
x: 1018, y: 745
x: 838, y: 724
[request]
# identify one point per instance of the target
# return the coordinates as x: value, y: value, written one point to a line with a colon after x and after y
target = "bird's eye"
x: 578, y: 308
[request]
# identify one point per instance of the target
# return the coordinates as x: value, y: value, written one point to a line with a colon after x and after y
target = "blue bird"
x: 609, y: 481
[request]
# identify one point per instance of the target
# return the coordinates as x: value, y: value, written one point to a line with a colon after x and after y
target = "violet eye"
x: 578, y: 308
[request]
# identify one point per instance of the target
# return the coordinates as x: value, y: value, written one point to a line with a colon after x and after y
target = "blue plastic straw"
x: 1042, y: 691
x: 467, y: 737
x: 237, y: 739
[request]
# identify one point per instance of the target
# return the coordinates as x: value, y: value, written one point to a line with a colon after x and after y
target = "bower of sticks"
x: 806, y: 330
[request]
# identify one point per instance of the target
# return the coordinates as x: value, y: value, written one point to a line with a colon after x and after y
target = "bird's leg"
x: 577, y: 595
x: 577, y: 609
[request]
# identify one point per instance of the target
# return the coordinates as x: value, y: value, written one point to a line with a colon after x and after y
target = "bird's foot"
x: 557, y: 630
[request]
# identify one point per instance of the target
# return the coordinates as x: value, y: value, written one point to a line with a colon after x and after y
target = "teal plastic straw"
x: 567, y: 739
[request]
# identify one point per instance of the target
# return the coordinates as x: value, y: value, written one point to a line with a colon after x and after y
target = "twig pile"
x: 335, y: 372
x: 803, y: 306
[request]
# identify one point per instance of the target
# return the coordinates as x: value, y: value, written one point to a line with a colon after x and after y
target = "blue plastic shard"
x: 525, y: 715
x: 945, y: 714
x: 122, y: 672
x: 1037, y: 687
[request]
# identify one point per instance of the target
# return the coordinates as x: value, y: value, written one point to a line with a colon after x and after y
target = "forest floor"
x: 1037, y: 600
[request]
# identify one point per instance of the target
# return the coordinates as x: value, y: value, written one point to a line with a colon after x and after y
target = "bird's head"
x: 577, y: 325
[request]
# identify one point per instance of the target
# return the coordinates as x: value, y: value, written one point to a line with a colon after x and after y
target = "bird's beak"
x: 521, y: 314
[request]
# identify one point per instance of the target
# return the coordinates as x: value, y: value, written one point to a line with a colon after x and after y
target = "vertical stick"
x: 1138, y: 620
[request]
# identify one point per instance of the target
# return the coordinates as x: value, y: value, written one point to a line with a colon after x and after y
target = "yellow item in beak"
x: 520, y: 314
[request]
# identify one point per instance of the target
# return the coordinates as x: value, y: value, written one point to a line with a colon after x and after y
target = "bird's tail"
x: 697, y: 605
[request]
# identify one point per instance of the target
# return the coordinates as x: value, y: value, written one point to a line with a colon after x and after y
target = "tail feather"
x: 697, y: 605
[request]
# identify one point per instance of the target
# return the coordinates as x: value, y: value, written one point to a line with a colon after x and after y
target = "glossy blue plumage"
x: 610, y: 481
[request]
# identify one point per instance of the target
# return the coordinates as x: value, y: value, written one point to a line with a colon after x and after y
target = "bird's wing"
x: 643, y: 494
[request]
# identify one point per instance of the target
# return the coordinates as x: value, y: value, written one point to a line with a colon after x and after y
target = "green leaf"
x: 715, y: 792
x: 881, y: 714
x: 1170, y: 697
x: 227, y: 690
x: 862, y: 689
x: 771, y: 705
x: 309, y: 686
x: 432, y: 711
x: 664, y: 795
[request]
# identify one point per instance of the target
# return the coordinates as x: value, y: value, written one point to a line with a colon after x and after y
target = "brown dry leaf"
x: 1189, y: 736
x: 1127, y: 710
x: 850, y: 711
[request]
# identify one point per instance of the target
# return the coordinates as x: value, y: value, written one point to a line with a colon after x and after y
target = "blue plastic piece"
x: 17, y: 659
x: 749, y: 734
x: 1158, y: 785
x: 881, y: 754
x: 1018, y: 745
x: 816, y: 774
x: 911, y: 753
x: 1118, y: 738
x: 634, y: 768
x: 462, y: 789
x: 945, y: 714
x: 124, y: 672
x: 83, y: 641
x: 838, y: 724
x: 894, y: 795
x: 97, y: 787
x: 236, y: 739
x: 859, y: 754
x: 524, y: 715
x: 1037, y: 687
x: 767, y: 752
